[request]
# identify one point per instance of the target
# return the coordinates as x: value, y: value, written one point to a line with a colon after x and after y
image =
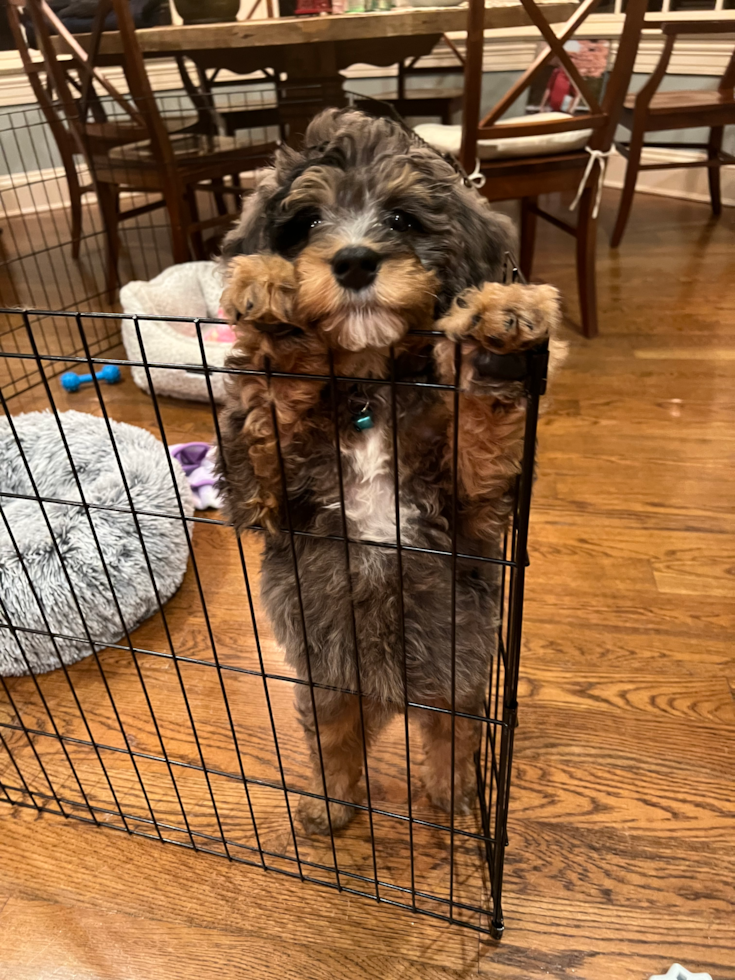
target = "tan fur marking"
x: 491, y: 421
x: 436, y: 732
x: 262, y: 288
x: 401, y: 298
x: 340, y: 737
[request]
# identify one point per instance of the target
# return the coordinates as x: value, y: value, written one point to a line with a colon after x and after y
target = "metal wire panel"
x: 50, y: 264
x: 183, y: 730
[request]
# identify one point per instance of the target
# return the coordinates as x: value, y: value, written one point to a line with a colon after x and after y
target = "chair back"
x: 727, y: 82
x: 37, y: 71
x: 140, y: 111
x: 409, y: 68
x: 268, y: 9
x: 600, y: 116
x: 139, y: 85
x: 76, y: 95
x: 671, y: 33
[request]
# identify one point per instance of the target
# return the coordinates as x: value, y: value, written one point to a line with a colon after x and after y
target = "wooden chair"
x: 58, y: 94
x: 425, y: 102
x: 230, y: 118
x: 654, y: 111
x: 40, y: 82
x: 165, y: 160
x: 574, y: 166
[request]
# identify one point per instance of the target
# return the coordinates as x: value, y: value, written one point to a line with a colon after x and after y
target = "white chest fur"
x: 369, y: 489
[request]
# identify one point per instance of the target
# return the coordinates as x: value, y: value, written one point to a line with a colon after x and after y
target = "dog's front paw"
x: 504, y: 319
x: 261, y: 293
x: 491, y: 320
x: 312, y: 813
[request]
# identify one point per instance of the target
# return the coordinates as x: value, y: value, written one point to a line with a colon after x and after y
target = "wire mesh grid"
x: 183, y: 730
x: 54, y: 245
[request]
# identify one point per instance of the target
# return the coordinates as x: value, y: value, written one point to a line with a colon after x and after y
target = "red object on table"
x: 558, y: 89
x: 313, y: 7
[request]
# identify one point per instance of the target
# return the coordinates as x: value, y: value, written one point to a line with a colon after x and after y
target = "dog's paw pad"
x: 503, y: 319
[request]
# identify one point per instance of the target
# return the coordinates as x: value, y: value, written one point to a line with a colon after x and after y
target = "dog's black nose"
x: 355, y: 267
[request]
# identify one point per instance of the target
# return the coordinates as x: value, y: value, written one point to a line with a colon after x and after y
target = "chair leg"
x: 197, y: 241
x: 75, y: 201
x: 219, y: 197
x: 586, y: 258
x: 528, y: 234
x: 107, y: 195
x: 75, y: 197
x: 631, y: 175
x: 713, y: 173
x: 237, y: 183
x: 180, y: 219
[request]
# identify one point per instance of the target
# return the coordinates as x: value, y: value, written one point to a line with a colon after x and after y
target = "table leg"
x: 313, y: 83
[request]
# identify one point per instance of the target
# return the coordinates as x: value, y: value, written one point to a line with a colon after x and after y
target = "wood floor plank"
x: 618, y: 942
x: 684, y: 697
x: 70, y: 945
x: 194, y: 891
x: 595, y: 648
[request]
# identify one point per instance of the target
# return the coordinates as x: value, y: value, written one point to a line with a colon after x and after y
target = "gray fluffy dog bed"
x: 147, y: 471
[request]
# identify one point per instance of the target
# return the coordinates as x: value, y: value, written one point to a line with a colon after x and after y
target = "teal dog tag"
x: 364, y: 421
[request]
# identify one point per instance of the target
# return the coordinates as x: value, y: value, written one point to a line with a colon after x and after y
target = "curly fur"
x: 364, y: 182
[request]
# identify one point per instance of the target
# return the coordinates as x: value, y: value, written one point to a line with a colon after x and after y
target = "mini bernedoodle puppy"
x: 344, y: 248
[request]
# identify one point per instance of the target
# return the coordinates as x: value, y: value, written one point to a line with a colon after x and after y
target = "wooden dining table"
x: 312, y: 51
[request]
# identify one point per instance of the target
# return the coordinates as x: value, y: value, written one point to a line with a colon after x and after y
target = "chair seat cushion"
x: 448, y: 139
x: 419, y: 94
x: 674, y: 102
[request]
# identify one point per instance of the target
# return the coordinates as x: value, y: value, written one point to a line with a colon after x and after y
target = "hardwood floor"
x: 621, y: 857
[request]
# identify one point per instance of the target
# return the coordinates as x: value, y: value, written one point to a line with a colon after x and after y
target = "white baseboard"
x: 40, y: 191
x: 36, y: 191
x: 687, y: 185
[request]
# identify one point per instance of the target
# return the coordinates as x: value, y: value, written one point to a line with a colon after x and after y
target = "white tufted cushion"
x: 448, y: 139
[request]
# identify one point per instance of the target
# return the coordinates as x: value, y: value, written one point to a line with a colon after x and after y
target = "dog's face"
x: 356, y: 235
x: 381, y: 230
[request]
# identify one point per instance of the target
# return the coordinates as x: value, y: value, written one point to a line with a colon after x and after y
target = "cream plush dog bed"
x: 192, y: 289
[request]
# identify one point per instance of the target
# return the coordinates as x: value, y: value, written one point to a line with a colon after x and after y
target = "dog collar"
x: 359, y: 406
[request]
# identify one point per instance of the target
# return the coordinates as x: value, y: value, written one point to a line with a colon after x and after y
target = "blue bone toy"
x: 73, y: 382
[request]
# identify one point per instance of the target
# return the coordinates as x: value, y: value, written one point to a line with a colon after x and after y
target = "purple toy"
x: 197, y: 462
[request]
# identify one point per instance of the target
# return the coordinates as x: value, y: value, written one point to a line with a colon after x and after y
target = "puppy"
x: 346, y: 261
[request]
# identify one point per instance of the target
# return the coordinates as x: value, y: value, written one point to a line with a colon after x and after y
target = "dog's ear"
x: 249, y: 235
x: 476, y: 245
x: 488, y: 237
x: 251, y: 232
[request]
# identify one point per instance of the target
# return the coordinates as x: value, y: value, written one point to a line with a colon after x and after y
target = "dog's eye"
x: 291, y: 236
x: 401, y: 221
